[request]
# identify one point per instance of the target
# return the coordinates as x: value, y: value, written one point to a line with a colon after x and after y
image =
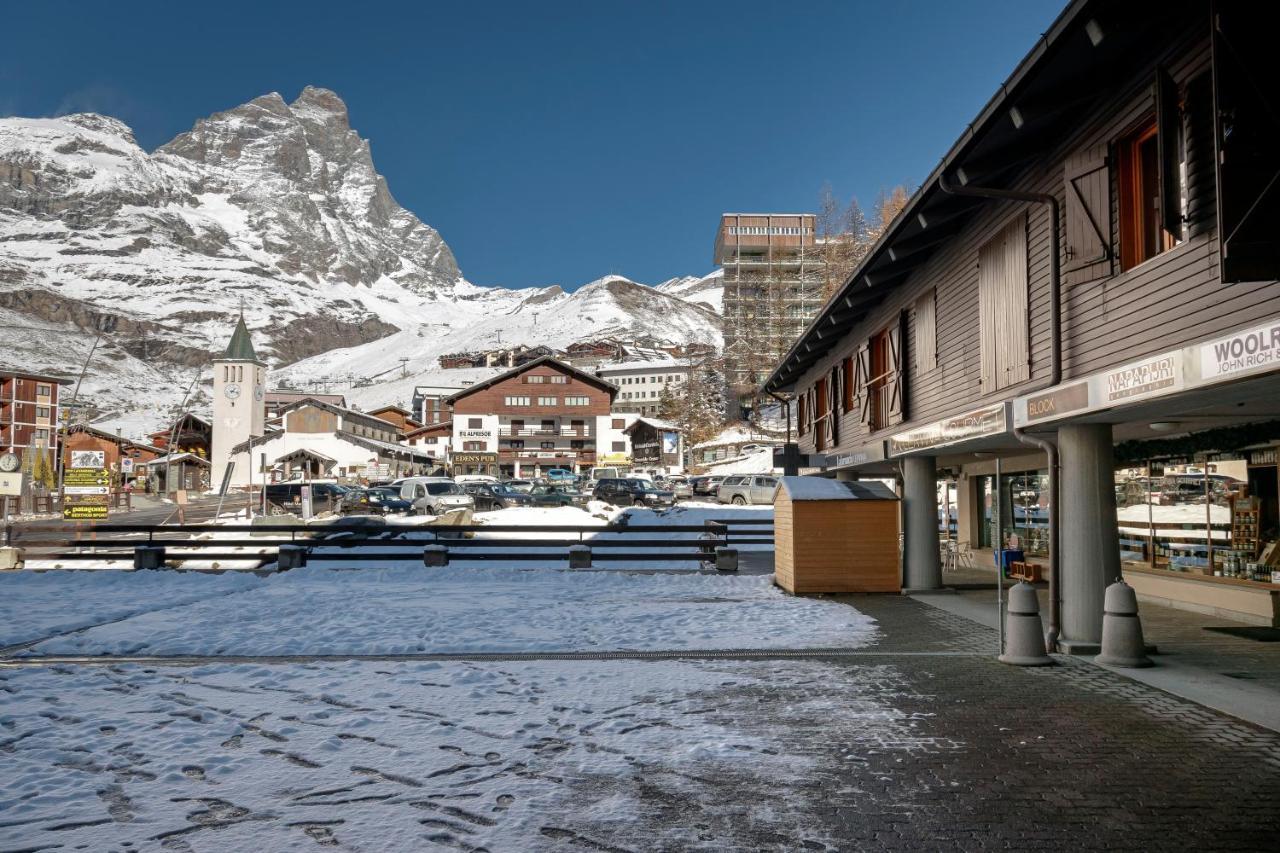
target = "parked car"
x: 561, y: 475
x: 435, y: 498
x: 407, y: 485
x: 287, y: 497
x: 519, y: 485
x: 628, y: 490
x: 747, y: 489
x: 491, y: 496
x: 557, y: 496
x: 706, y: 486
x: 380, y: 501
x: 681, y: 488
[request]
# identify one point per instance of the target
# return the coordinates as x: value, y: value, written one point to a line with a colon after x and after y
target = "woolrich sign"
x: 1253, y: 349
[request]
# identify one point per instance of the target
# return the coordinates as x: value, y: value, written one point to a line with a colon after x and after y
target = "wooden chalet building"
x: 541, y: 415
x: 1084, y: 291
x: 656, y: 446
x: 116, y: 449
x: 190, y: 434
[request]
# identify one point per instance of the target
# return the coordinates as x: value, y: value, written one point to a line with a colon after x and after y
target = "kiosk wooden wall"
x: 840, y: 545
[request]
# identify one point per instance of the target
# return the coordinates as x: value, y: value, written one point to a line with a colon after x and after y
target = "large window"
x: 516, y: 401
x: 548, y: 401
x: 1142, y: 235
x: 577, y: 401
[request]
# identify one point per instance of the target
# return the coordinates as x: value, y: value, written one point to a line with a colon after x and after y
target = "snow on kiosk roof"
x: 825, y: 489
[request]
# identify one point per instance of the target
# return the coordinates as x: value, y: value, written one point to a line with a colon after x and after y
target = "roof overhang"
x: 1092, y: 51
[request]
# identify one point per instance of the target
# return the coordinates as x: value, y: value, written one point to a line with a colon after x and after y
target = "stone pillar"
x: 921, y: 568
x: 1089, y: 554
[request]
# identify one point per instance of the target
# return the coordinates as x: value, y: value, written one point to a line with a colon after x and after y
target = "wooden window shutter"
x: 1087, y: 251
x: 802, y: 407
x: 1003, y: 320
x: 1168, y: 125
x: 926, y: 331
x: 897, y: 371
x: 846, y: 385
x: 862, y: 384
x: 1202, y: 177
x: 833, y: 406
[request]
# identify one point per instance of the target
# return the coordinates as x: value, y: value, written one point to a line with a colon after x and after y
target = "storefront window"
x: 1024, y: 505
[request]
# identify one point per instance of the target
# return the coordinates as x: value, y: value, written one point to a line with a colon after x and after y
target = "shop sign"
x: 1058, y: 401
x: 1142, y: 379
x: 84, y: 507
x: 1269, y: 456
x: 989, y: 420
x: 1253, y: 349
x: 473, y: 458
x: 615, y: 459
x: 88, y: 459
x: 857, y: 456
x: 474, y: 433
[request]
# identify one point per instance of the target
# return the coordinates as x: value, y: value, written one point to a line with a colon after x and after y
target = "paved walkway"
x: 920, y: 740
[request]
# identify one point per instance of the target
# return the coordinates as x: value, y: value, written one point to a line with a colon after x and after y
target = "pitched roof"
x: 665, y: 426
x: 240, y: 347
x: 537, y: 362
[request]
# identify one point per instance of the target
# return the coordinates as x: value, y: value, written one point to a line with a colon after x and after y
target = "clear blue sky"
x: 555, y: 142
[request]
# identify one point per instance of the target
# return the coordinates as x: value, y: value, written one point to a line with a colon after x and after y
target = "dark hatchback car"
x: 380, y: 501
x: 287, y: 497
x: 557, y: 495
x: 491, y: 496
x: 635, y: 492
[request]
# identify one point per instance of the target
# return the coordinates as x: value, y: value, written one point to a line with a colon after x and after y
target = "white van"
x: 406, y: 485
x: 475, y: 478
x: 605, y: 474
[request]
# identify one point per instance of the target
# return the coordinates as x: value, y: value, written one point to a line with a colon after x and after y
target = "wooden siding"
x: 1173, y: 299
x: 492, y: 400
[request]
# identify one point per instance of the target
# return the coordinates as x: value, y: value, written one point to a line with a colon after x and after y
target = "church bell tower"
x: 239, y: 405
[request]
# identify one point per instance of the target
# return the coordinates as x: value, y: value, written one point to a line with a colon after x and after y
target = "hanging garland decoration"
x: 1209, y: 441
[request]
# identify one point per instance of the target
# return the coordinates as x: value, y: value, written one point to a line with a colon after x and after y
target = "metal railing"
x: 101, y: 544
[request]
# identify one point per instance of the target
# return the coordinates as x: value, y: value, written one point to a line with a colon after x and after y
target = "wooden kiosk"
x: 836, y: 536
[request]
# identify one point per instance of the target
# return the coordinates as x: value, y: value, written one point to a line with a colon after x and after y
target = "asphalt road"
x: 146, y: 510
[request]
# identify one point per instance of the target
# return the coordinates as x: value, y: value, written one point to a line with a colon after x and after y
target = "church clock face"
x: 232, y: 391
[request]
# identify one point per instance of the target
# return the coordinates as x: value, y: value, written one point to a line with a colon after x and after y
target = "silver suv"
x: 747, y: 489
x: 437, y: 498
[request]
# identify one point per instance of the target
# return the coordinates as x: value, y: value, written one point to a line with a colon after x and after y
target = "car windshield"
x: 503, y: 489
x: 383, y: 494
x: 443, y: 489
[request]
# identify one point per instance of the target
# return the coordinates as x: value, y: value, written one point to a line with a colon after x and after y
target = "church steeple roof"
x: 241, y: 347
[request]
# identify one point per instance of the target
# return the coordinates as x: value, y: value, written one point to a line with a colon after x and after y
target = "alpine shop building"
x: 1081, y: 297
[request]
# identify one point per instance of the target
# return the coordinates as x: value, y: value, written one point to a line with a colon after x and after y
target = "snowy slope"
x: 707, y: 291
x: 272, y: 208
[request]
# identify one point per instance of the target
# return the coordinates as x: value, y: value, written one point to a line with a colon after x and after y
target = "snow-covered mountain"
x: 707, y: 291
x: 272, y: 208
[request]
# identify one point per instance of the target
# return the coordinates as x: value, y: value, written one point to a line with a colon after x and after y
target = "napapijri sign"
x: 1145, y: 377
x: 1253, y: 349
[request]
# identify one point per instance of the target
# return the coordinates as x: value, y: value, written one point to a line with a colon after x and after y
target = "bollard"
x: 1024, y: 635
x: 1122, y: 643
x: 10, y: 558
x: 435, y: 556
x: 291, y: 557
x: 148, y: 557
x: 726, y: 559
x: 580, y: 557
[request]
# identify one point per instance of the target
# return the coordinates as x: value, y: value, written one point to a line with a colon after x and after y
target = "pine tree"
x: 668, y: 405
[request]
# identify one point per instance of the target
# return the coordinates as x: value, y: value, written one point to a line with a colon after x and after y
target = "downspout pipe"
x: 1055, y: 373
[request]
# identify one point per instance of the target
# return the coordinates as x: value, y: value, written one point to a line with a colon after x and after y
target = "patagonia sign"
x: 1253, y: 349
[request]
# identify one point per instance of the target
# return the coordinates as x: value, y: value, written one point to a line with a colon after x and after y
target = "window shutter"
x: 1168, y: 122
x: 1003, y: 322
x: 862, y: 386
x: 926, y: 331
x: 1197, y: 130
x: 847, y: 385
x: 1248, y: 124
x: 1087, y: 252
x: 897, y: 372
x: 833, y: 406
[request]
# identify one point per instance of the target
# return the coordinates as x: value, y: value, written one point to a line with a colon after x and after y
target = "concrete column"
x: 1089, y: 554
x: 921, y: 568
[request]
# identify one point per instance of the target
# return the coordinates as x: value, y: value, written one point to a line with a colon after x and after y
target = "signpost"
x: 86, y: 486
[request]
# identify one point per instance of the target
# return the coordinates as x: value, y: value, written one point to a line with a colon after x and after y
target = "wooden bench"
x: 1029, y: 572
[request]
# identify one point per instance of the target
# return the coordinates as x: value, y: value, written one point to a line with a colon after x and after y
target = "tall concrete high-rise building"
x: 773, y: 287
